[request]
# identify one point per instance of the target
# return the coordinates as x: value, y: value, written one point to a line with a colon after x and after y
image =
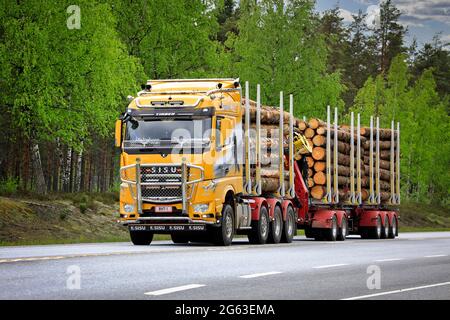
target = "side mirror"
x: 118, y: 134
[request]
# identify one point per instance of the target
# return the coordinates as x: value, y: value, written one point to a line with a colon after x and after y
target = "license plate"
x: 164, y: 227
x: 163, y: 209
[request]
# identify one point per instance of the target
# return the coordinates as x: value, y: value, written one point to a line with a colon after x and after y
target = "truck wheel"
x: 276, y: 226
x: 375, y: 232
x: 179, y: 238
x: 141, y: 238
x: 309, y: 232
x: 393, y: 229
x: 290, y: 226
x: 332, y: 233
x: 223, y: 236
x: 260, y: 228
x: 385, y: 228
x: 343, y: 230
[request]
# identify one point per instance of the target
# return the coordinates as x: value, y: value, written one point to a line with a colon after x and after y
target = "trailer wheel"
x: 393, y: 228
x: 179, y: 238
x: 375, y: 232
x: 141, y: 238
x: 343, y: 230
x: 332, y: 233
x: 290, y: 226
x: 223, y: 236
x: 260, y: 228
x: 276, y: 226
x: 385, y: 228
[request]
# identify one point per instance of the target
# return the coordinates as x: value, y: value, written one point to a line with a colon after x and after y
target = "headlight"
x: 201, y: 208
x: 128, y: 208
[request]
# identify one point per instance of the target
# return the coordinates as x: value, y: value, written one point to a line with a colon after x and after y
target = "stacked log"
x: 315, y: 131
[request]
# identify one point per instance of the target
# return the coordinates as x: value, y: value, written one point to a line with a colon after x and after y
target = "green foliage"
x: 83, y: 207
x: 63, y: 83
x: 424, y: 122
x: 279, y: 47
x: 170, y: 37
x: 61, y: 89
x: 9, y: 186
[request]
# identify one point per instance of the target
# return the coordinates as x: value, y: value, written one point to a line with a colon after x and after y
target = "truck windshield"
x: 168, y: 133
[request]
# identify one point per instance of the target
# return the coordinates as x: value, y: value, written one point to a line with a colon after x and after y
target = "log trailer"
x: 187, y: 170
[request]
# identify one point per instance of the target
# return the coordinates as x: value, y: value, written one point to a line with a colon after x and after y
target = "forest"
x: 65, y: 73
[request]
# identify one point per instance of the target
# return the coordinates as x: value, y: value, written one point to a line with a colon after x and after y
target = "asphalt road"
x: 413, y: 266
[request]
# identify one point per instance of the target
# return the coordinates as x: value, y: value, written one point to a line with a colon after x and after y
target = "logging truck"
x: 198, y: 163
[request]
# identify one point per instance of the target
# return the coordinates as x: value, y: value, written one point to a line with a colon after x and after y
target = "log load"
x: 315, y: 131
x: 385, y: 134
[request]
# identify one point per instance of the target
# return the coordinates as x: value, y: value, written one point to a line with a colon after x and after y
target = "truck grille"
x: 157, y: 193
x: 151, y: 192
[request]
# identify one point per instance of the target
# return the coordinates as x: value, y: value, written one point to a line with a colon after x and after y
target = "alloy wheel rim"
x: 378, y: 227
x: 228, y: 226
x: 277, y: 226
x: 334, y: 230
x: 290, y: 226
x: 263, y: 225
x: 344, y: 228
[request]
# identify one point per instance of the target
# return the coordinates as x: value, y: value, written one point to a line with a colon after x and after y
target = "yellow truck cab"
x: 182, y: 161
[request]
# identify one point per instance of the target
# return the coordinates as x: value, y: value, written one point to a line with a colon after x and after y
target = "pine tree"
x: 389, y: 35
x: 359, y: 59
x: 436, y: 56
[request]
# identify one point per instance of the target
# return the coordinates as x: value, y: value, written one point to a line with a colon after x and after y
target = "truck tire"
x: 375, y: 232
x: 343, y: 230
x: 385, y: 228
x: 331, y: 234
x: 290, y: 226
x: 141, y: 238
x: 223, y: 235
x: 309, y: 232
x: 179, y: 238
x: 393, y: 229
x: 260, y: 228
x: 276, y: 226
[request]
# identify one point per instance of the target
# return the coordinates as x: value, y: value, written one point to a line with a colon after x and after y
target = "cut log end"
x: 318, y: 153
x: 318, y: 192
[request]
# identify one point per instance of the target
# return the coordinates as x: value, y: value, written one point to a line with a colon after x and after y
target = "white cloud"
x: 437, y: 10
x: 366, y: 2
x: 373, y: 16
x: 346, y: 15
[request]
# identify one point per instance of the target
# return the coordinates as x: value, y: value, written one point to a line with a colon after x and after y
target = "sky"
x: 424, y: 18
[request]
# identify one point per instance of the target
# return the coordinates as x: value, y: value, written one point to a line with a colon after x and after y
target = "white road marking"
x: 331, y: 266
x: 398, y: 291
x: 387, y: 260
x: 175, y: 289
x: 256, y: 275
x: 436, y: 256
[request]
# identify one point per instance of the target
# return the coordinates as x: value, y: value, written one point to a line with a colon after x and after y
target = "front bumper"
x: 166, y: 225
x: 165, y: 220
x: 183, y: 180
